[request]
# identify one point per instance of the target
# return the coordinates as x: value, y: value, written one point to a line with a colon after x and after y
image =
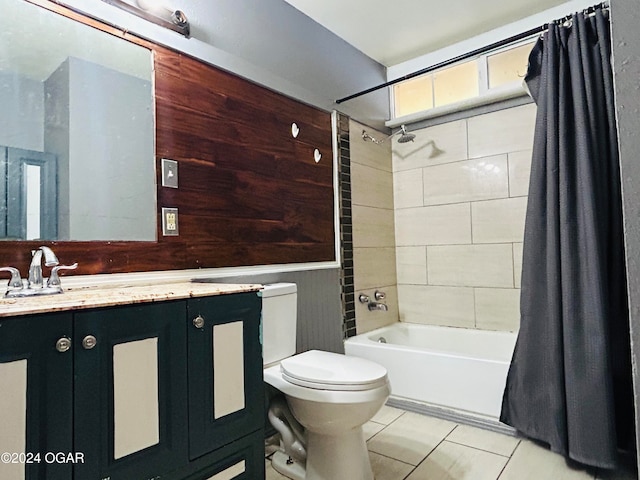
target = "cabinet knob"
x: 63, y: 344
x: 89, y: 342
x: 198, y: 322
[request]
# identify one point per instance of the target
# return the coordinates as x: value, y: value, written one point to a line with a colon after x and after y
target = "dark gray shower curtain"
x: 569, y: 384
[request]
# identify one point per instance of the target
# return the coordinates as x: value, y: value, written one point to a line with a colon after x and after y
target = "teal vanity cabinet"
x: 168, y: 390
x: 130, y: 391
x: 36, y: 395
x: 225, y: 370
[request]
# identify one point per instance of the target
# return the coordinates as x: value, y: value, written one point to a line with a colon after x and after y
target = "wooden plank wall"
x: 249, y: 193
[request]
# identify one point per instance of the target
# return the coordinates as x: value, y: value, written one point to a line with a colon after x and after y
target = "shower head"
x: 405, y: 137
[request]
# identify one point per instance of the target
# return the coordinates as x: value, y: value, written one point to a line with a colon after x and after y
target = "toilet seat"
x: 332, y: 371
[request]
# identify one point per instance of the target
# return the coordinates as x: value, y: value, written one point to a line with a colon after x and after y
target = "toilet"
x: 328, y: 396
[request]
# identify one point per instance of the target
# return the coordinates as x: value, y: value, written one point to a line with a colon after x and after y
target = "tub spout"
x: 377, y: 306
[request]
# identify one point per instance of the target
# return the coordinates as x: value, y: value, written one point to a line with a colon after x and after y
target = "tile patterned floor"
x: 408, y: 446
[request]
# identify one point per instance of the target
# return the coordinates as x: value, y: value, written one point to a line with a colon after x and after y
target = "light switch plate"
x: 170, y: 222
x: 169, y: 173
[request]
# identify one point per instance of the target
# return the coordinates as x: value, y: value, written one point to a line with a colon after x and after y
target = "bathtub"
x: 455, y: 369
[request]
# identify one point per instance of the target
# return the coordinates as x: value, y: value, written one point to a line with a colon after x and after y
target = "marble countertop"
x: 106, y: 296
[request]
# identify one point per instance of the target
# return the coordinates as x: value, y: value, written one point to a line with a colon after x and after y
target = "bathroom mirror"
x: 76, y: 131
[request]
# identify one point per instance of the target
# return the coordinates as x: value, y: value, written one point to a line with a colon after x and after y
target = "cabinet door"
x: 130, y: 391
x: 225, y: 370
x: 36, y: 395
x: 239, y: 460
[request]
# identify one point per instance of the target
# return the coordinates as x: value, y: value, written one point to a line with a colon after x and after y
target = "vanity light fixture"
x: 154, y: 11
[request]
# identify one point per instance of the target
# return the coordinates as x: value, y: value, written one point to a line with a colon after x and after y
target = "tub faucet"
x: 35, y: 269
x: 377, y: 306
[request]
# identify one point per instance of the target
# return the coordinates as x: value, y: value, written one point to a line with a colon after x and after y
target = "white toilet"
x: 329, y: 394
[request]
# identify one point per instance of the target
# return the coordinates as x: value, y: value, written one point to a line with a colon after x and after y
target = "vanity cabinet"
x: 223, y: 353
x: 136, y: 392
x: 130, y: 391
x: 36, y: 395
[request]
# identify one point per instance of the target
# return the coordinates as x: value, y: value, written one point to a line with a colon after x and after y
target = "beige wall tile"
x: 517, y: 264
x: 374, y: 266
x: 519, y: 170
x: 498, y: 308
x: 453, y: 461
x: 498, y: 221
x: 368, y: 153
x: 533, y: 462
x: 440, y: 225
x: 411, y: 265
x: 411, y: 437
x: 504, y: 131
x: 371, y: 187
x: 480, y: 179
x: 372, y: 227
x: 488, y: 265
x: 451, y: 306
x: 484, y: 439
x: 450, y: 138
x: 370, y: 320
x: 407, y: 189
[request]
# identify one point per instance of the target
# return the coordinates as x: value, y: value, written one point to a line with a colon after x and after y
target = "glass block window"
x: 414, y: 95
x: 462, y: 81
x: 454, y: 84
x: 508, y: 66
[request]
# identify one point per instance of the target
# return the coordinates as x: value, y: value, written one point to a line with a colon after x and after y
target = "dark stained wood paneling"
x: 249, y: 193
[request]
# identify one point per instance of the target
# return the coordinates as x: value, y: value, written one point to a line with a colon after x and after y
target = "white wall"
x: 111, y: 182
x: 22, y: 112
x: 625, y: 17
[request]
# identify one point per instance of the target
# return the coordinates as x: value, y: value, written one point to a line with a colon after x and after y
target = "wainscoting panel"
x: 320, y: 314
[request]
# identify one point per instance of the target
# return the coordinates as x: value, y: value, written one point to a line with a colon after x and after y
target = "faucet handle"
x: 16, y: 281
x: 54, y: 279
x: 378, y: 295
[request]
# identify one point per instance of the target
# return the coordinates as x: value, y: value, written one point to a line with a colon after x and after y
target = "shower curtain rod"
x: 473, y: 53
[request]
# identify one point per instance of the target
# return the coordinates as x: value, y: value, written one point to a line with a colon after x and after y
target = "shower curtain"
x: 569, y: 383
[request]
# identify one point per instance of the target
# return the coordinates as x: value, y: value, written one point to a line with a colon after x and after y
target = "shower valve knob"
x: 362, y: 298
x: 379, y: 296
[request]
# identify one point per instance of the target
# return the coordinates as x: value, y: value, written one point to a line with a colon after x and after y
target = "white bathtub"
x: 451, y: 368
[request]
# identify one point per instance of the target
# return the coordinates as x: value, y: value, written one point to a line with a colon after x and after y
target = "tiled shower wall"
x: 373, y: 226
x: 459, y: 219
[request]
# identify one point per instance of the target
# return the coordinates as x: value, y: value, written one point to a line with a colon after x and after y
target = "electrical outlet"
x: 169, y: 173
x: 170, y: 222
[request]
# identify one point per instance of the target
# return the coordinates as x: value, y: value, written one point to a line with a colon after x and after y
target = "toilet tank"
x: 279, y: 318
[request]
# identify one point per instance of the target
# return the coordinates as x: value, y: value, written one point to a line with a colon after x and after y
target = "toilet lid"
x: 332, y: 371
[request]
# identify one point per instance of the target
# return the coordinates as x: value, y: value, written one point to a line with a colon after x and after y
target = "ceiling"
x: 393, y: 32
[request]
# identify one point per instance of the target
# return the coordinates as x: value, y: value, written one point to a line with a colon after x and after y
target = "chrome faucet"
x: 377, y: 306
x: 371, y: 305
x: 35, y: 269
x: 34, y: 283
